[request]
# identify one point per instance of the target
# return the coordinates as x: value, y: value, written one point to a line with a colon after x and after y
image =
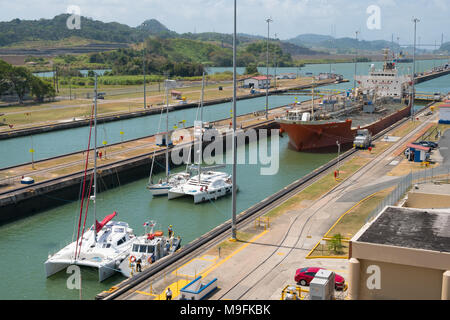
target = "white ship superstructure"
x: 386, y: 82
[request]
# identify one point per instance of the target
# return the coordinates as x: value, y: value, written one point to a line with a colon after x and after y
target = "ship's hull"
x: 322, y: 136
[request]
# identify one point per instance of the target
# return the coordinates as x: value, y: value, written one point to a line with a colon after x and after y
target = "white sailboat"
x: 104, y: 245
x: 207, y: 184
x: 171, y: 180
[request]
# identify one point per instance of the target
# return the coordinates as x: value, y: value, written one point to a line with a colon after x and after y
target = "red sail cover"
x: 108, y: 218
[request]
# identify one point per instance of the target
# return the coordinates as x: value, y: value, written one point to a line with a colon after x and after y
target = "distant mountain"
x: 154, y: 27
x: 309, y: 39
x: 346, y: 44
x: 17, y: 30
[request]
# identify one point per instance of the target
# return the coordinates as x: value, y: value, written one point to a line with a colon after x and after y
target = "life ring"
x: 158, y: 234
x: 132, y: 259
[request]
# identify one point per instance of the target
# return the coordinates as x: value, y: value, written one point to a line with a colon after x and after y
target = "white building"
x: 260, y: 82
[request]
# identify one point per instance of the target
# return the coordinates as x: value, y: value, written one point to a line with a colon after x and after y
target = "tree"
x: 335, y: 244
x: 251, y: 69
x: 41, y: 89
x: 20, y: 80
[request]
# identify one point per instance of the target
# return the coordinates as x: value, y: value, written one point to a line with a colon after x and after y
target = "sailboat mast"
x: 95, y: 158
x: 201, y: 128
x: 167, y: 129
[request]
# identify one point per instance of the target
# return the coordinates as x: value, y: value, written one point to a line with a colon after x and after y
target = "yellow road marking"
x: 204, y: 274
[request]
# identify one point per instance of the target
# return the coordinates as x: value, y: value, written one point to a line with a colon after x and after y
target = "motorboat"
x: 104, y: 248
x: 208, y: 185
x: 148, y: 249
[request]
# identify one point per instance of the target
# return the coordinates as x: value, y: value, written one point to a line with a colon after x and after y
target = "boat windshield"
x: 143, y: 248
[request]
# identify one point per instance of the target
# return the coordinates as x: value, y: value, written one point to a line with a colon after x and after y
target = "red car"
x: 304, y: 276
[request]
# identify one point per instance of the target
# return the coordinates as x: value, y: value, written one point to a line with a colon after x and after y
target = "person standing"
x: 170, y: 231
x: 168, y: 294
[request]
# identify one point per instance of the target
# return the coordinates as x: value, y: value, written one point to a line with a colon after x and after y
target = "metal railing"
x: 432, y: 175
x: 394, y: 196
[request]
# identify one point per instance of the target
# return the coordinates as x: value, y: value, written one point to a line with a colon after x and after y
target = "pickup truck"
x: 363, y: 139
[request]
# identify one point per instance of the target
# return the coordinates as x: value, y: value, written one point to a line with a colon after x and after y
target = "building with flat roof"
x: 404, y: 253
x: 259, y: 82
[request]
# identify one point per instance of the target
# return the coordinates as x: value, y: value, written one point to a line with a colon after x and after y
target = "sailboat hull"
x: 159, y: 191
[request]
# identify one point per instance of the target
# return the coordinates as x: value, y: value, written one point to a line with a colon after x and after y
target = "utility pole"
x: 275, y: 63
x: 356, y: 59
x: 143, y: 67
x: 234, y: 151
x: 415, y: 20
x: 268, y: 20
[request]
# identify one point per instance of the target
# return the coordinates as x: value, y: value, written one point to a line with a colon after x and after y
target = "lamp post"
x: 143, y: 69
x: 268, y: 20
x: 413, y: 78
x: 356, y: 59
x: 234, y: 151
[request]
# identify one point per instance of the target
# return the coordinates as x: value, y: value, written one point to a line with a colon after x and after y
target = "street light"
x: 356, y: 59
x: 414, y: 20
x: 268, y: 20
x: 234, y: 151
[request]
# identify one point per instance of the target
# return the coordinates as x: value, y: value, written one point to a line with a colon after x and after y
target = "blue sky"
x: 291, y: 17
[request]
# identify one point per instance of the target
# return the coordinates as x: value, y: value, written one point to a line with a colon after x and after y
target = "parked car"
x: 304, y: 276
x: 428, y: 144
x: 429, y: 113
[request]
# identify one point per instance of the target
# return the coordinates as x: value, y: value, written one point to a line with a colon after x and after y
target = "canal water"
x: 25, y: 244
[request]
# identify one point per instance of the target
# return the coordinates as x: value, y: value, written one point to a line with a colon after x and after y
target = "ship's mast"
x: 95, y: 160
x: 201, y: 130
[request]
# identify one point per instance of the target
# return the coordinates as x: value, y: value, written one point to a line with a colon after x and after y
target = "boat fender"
x: 132, y: 259
x: 158, y: 234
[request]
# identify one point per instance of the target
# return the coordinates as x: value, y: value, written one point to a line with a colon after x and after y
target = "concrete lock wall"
x: 426, y: 200
x: 400, y: 282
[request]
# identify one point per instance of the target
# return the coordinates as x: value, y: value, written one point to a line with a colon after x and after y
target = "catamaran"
x: 104, y: 245
x: 206, y: 186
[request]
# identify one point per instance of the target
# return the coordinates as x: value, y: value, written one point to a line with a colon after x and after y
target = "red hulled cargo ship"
x: 323, y: 134
x: 376, y: 104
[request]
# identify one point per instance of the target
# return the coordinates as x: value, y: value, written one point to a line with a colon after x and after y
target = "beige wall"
x: 400, y: 282
x: 426, y: 200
